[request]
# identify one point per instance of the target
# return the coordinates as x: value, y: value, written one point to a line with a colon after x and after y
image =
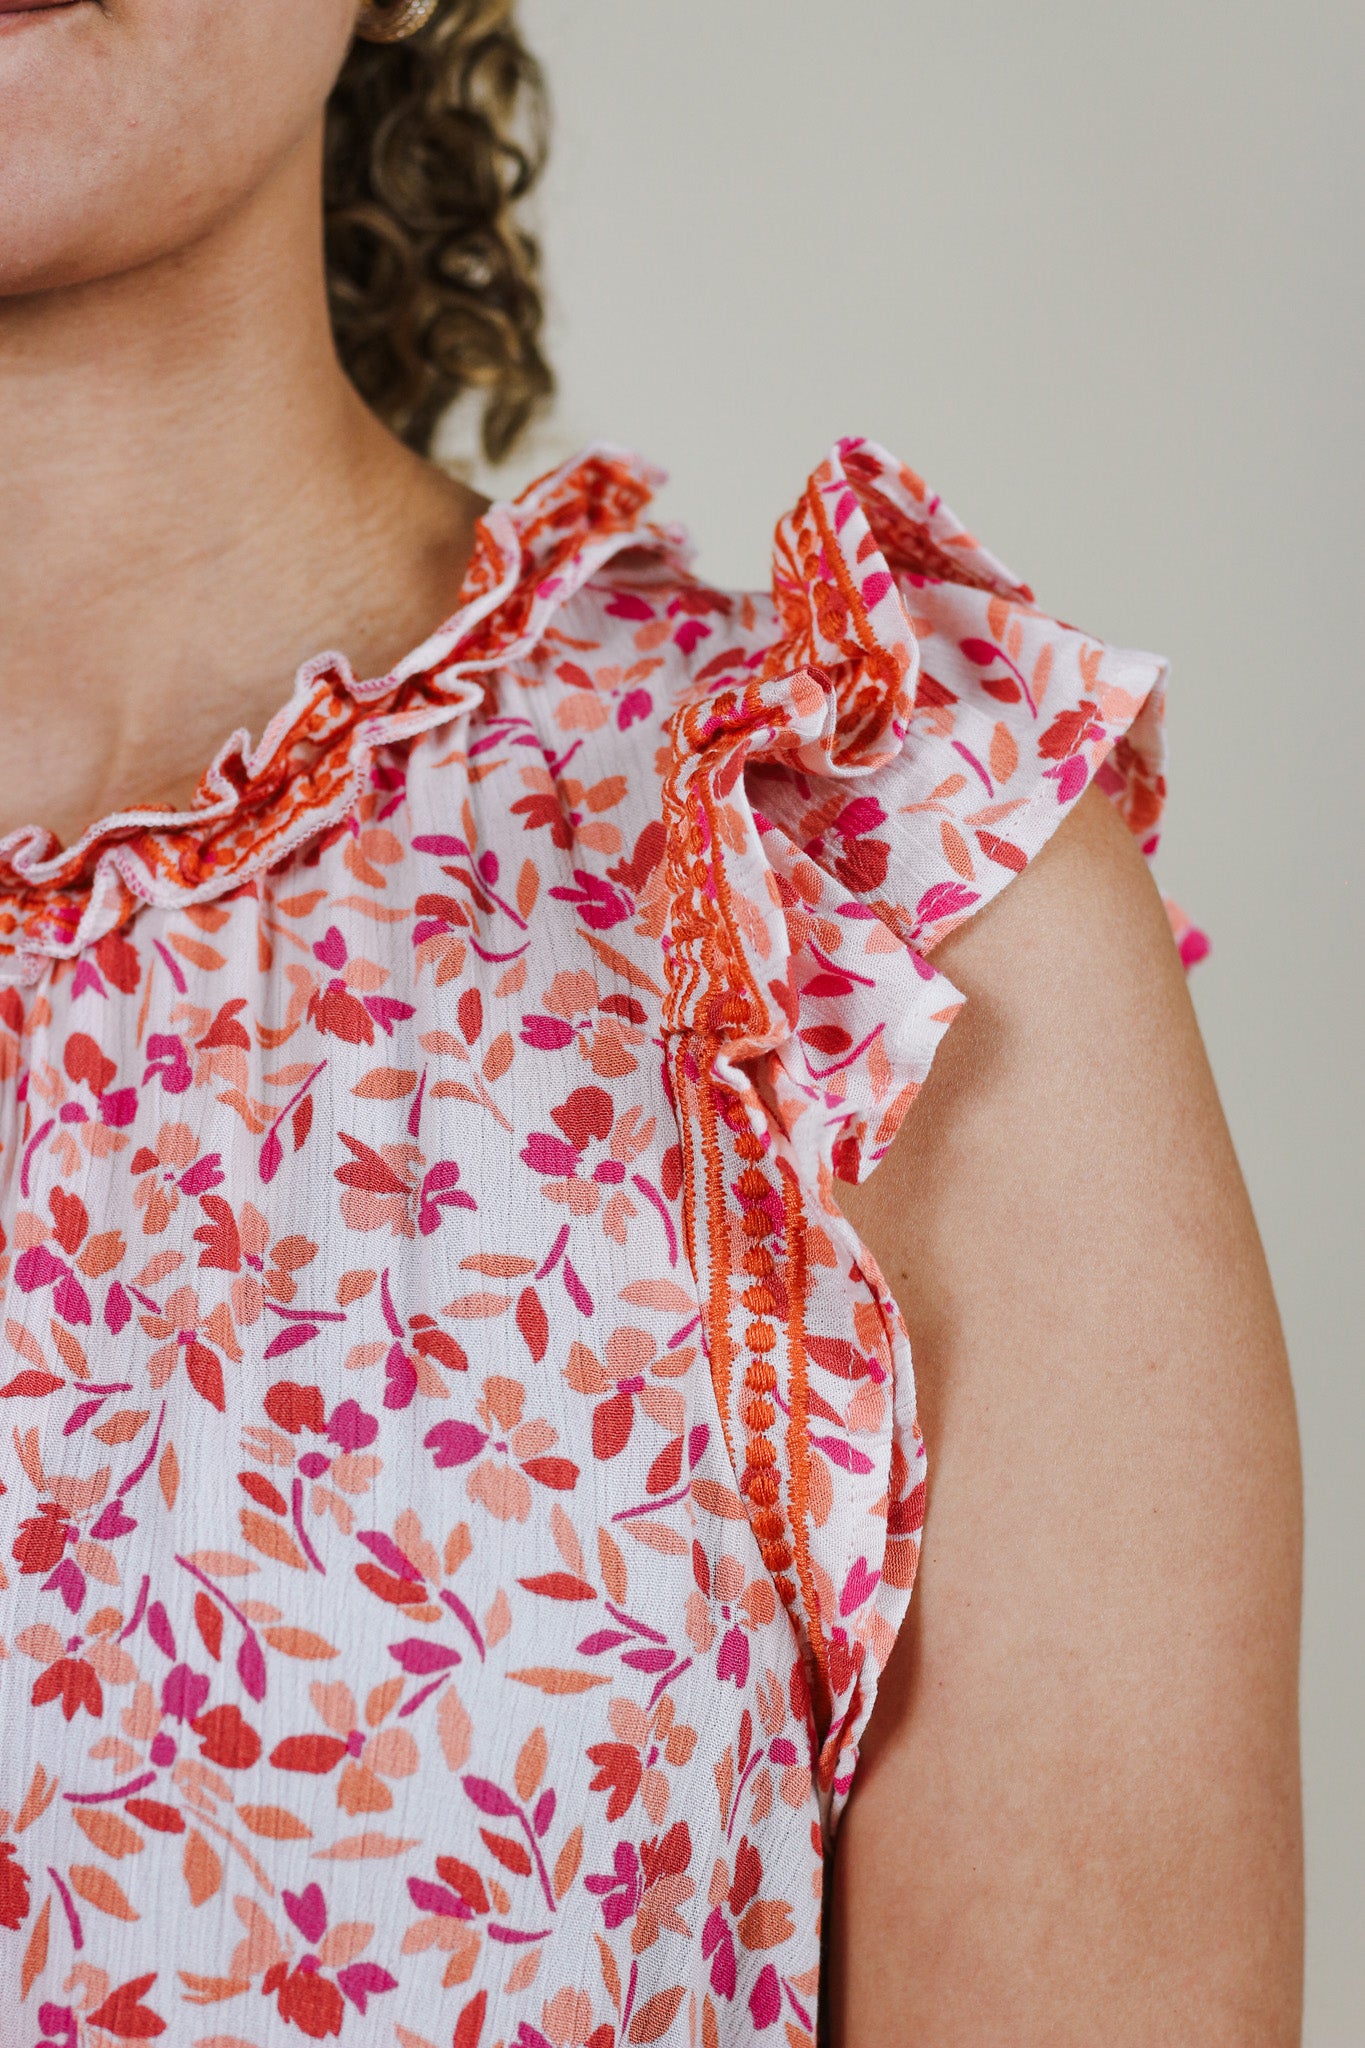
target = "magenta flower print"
x: 351, y: 1004
x: 81, y: 1112
x: 314, y: 1992
x: 579, y: 1174
x: 724, y: 1609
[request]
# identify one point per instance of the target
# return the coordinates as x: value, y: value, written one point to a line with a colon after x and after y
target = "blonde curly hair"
x: 434, y: 284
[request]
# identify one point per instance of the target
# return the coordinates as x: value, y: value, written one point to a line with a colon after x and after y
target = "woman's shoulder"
x: 777, y: 803
x: 838, y: 771
x: 888, y: 637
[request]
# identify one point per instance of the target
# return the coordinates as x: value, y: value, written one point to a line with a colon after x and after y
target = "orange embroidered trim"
x: 708, y: 1116
x: 798, y: 1428
x: 716, y: 1005
x: 759, y: 1481
x: 710, y: 984
x: 253, y: 809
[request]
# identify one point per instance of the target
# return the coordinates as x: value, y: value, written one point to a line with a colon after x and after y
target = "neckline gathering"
x: 255, y: 805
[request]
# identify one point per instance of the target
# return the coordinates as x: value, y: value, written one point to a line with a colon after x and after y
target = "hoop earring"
x: 391, y: 21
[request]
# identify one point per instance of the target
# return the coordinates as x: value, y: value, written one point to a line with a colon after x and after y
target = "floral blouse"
x: 460, y: 1470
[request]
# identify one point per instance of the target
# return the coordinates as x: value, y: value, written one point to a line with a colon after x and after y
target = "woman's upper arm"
x: 1076, y: 1814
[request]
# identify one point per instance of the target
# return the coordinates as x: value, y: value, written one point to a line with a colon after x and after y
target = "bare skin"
x: 193, y: 498
x: 1077, y: 1816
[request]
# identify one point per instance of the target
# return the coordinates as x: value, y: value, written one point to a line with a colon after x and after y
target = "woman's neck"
x: 193, y: 499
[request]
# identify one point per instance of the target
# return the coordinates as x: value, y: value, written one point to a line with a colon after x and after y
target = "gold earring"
x: 390, y: 21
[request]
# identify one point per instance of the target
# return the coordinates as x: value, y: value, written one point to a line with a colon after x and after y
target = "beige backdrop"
x: 1094, y: 270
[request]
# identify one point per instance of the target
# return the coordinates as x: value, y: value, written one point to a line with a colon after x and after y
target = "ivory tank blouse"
x: 460, y: 1471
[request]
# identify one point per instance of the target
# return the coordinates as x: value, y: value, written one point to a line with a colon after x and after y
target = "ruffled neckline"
x: 255, y: 806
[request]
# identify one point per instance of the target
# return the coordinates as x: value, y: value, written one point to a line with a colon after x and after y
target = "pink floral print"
x: 461, y: 1477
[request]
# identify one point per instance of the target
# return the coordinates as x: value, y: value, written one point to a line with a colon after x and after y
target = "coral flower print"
x: 725, y: 1622
x: 464, y: 1477
x: 637, y: 1760
x: 178, y: 1323
x: 606, y: 1030
x: 350, y: 1005
x: 168, y: 1168
x: 367, y: 1756
x: 394, y: 1189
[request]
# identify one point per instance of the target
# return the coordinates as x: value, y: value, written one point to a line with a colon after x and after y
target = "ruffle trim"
x: 254, y: 807
x: 866, y: 782
x: 837, y: 802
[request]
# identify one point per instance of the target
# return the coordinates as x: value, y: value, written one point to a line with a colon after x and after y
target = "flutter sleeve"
x: 903, y: 735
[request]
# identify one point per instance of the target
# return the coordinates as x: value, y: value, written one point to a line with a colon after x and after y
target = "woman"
x: 464, y: 1484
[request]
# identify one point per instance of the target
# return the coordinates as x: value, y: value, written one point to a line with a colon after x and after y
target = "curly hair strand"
x: 434, y: 282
